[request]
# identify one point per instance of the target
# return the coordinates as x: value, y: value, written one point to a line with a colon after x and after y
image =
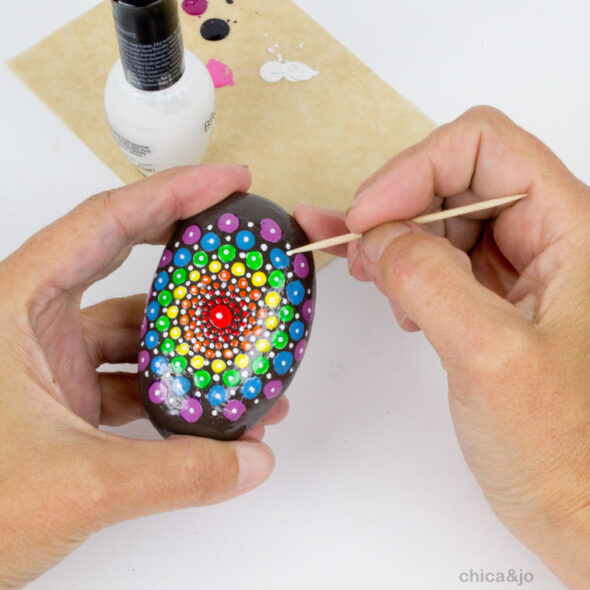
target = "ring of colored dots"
x: 227, y: 319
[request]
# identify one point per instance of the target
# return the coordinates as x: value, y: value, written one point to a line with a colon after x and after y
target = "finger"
x: 355, y: 266
x: 486, y: 153
x: 433, y: 284
x: 111, y: 329
x: 94, y: 239
x: 120, y: 401
x: 147, y: 477
x: 277, y: 413
x: 321, y: 224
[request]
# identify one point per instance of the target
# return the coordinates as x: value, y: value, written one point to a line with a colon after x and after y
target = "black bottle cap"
x: 150, y: 21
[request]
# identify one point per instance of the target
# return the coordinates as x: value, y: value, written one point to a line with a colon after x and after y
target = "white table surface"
x: 370, y: 488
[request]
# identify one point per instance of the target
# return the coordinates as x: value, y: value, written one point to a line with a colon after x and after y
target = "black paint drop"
x: 230, y: 1
x: 214, y: 29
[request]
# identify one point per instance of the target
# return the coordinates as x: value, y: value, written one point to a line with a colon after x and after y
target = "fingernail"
x: 374, y: 242
x: 256, y: 463
x: 357, y: 199
x: 243, y: 165
x: 354, y: 254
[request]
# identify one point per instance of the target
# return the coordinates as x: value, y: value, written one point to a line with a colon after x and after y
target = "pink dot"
x: 166, y: 258
x: 158, y: 392
x: 195, y: 7
x: 270, y: 231
x: 228, y: 223
x: 301, y: 266
x: 273, y: 389
x: 191, y: 235
x: 144, y: 327
x: 234, y: 410
x: 191, y: 410
x: 300, y: 350
x: 143, y: 360
x: 307, y: 311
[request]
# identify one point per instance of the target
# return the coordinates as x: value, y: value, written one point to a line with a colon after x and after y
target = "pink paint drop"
x: 221, y: 74
x: 195, y: 7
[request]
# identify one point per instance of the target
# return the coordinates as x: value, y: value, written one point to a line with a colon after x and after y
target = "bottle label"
x: 151, y: 66
x: 137, y: 154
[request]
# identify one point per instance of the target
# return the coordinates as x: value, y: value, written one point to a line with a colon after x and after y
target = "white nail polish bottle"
x: 159, y: 98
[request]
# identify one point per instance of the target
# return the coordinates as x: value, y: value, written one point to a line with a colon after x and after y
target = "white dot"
x: 256, y: 401
x: 177, y: 244
x: 250, y: 224
x: 263, y: 247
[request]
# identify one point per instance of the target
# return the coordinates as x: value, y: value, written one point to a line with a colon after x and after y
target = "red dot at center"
x: 221, y: 316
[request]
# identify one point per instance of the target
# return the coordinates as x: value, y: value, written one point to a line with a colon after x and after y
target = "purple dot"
x: 191, y: 410
x: 191, y: 235
x: 144, y: 327
x: 143, y: 360
x: 234, y: 410
x: 158, y: 392
x: 166, y: 258
x: 307, y: 311
x: 195, y: 7
x: 300, y: 350
x: 228, y: 223
x: 272, y: 389
x: 301, y: 266
x: 270, y: 230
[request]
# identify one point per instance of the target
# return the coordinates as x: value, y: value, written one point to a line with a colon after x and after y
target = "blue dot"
x: 252, y: 387
x: 159, y: 365
x: 295, y: 292
x: 217, y: 395
x: 161, y: 281
x: 210, y: 242
x: 182, y: 257
x: 180, y: 386
x: 245, y: 240
x: 282, y: 362
x: 151, y: 339
x: 297, y: 330
x: 153, y: 310
x: 279, y: 258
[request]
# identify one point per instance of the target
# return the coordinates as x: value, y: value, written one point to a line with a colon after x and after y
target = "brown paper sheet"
x: 313, y: 141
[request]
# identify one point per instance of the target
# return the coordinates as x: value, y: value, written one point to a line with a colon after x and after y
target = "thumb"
x: 432, y: 282
x: 147, y: 477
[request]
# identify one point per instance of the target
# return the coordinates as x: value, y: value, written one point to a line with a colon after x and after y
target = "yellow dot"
x: 197, y: 362
x: 179, y: 292
x: 273, y: 300
x: 182, y: 349
x: 263, y: 345
x: 258, y: 279
x: 172, y: 312
x: 215, y: 266
x: 175, y: 333
x: 194, y: 276
x: 242, y: 361
x: 238, y: 269
x: 272, y: 322
x: 218, y: 366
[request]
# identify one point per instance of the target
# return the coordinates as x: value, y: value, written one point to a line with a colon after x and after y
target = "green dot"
x: 280, y: 340
x: 167, y: 345
x: 165, y: 297
x: 201, y: 258
x: 179, y: 276
x: 254, y: 260
x: 227, y: 253
x: 231, y: 378
x: 260, y: 365
x: 202, y: 379
x: 276, y: 279
x: 286, y: 314
x: 162, y: 324
x: 178, y: 364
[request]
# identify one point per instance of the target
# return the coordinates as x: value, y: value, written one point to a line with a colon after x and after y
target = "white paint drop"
x: 293, y: 71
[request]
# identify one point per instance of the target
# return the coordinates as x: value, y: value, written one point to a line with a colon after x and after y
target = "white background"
x: 370, y: 488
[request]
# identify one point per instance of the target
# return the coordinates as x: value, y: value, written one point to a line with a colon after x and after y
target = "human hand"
x: 510, y: 319
x: 61, y: 479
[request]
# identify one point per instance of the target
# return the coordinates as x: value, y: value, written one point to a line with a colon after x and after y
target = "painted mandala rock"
x: 227, y: 319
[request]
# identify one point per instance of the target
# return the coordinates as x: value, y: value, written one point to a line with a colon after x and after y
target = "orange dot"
x: 203, y: 291
x: 206, y: 343
x: 185, y: 303
x: 189, y: 335
x: 262, y: 313
x: 257, y: 330
x: 184, y: 320
x: 194, y: 290
x: 242, y: 283
x: 209, y: 354
x: 231, y: 288
x: 243, y: 293
x: 252, y: 319
x: 224, y: 275
x: 197, y: 346
x: 216, y: 285
x: 247, y: 333
x: 218, y: 345
x: 246, y: 346
x: 206, y: 280
x: 256, y: 294
x: 193, y: 325
x: 191, y: 312
x: 228, y: 354
x: 234, y: 343
x: 252, y: 306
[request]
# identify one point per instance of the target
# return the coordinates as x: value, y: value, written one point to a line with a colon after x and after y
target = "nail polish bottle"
x: 159, y: 98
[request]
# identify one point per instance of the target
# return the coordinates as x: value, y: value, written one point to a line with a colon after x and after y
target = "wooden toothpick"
x: 428, y: 218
